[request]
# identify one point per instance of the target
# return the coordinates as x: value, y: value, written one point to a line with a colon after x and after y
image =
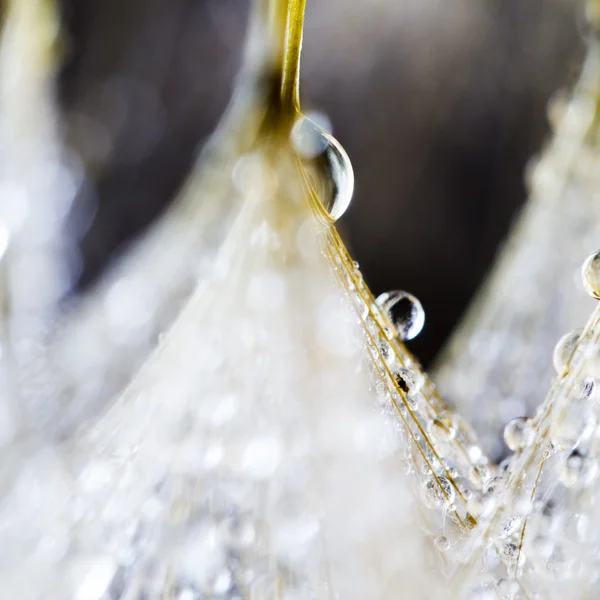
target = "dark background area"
x: 439, y: 104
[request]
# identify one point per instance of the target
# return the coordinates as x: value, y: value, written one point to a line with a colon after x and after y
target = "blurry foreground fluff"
x: 231, y: 414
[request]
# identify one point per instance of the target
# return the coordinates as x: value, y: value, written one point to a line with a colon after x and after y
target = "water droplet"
x: 405, y: 312
x: 479, y: 474
x: 518, y: 433
x: 442, y: 543
x: 327, y: 165
x: 475, y: 454
x: 510, y: 526
x: 508, y: 552
x: 507, y: 589
x: 442, y: 429
x: 438, y: 492
x: 576, y: 425
x: 409, y: 381
x: 578, y: 471
x: 590, y: 274
x: 563, y: 350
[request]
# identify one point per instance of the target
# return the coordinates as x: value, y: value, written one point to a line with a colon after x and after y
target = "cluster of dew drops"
x: 313, y: 142
x: 578, y: 470
x: 317, y: 147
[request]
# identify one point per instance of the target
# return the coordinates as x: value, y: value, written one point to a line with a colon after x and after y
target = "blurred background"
x: 439, y: 103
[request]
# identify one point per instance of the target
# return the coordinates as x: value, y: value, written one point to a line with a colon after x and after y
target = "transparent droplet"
x: 507, y: 589
x: 578, y: 471
x: 563, y: 350
x: 508, y: 552
x: 510, y: 526
x: 405, y: 312
x: 438, y: 492
x: 327, y: 165
x: 590, y: 274
x: 518, y: 433
x: 479, y: 474
x: 576, y: 425
x: 409, y: 381
x: 442, y: 429
x: 442, y: 543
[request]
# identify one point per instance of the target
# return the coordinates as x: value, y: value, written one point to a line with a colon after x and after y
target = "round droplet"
x: 508, y: 552
x: 405, y: 312
x: 442, y: 543
x: 578, y: 471
x: 564, y: 350
x: 438, y: 492
x: 590, y: 273
x: 518, y: 433
x: 479, y: 474
x: 507, y: 589
x: 577, y: 425
x: 326, y: 164
x: 510, y: 526
x: 410, y: 381
x: 442, y: 429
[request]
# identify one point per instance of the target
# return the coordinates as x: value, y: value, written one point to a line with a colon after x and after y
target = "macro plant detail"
x: 231, y: 413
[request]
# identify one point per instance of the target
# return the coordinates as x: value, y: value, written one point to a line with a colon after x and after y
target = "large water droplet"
x: 590, y: 273
x: 518, y: 433
x: 405, y: 312
x: 327, y: 165
x: 563, y: 350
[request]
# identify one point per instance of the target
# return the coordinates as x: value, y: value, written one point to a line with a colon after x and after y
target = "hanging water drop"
x: 405, y: 312
x: 518, y: 433
x: 564, y: 349
x: 590, y: 274
x: 327, y: 165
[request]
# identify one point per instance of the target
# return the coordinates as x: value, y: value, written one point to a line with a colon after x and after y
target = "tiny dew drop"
x: 564, y: 349
x: 517, y: 434
x: 590, y: 274
x: 442, y: 428
x: 578, y: 470
x: 405, y: 312
x: 327, y: 165
x: 410, y: 381
x: 442, y: 543
x: 508, y: 552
